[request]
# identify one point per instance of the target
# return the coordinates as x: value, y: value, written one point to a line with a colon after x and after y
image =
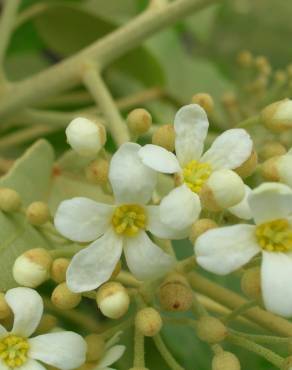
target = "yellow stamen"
x: 128, y: 219
x: 195, y: 174
x: 275, y: 236
x: 13, y: 351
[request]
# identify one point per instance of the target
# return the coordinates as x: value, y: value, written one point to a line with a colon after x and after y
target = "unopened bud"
x: 205, y: 101
x: 139, y: 121
x: 85, y: 136
x: 244, y: 58
x: 59, y: 269
x: 95, y: 347
x: 5, y: 310
x: 97, y: 171
x: 272, y: 149
x: 38, y: 213
x: 113, y: 300
x: 32, y: 268
x: 148, y: 321
x: 64, y: 299
x: 223, y: 189
x: 211, y: 330
x: 10, y: 200
x: 248, y: 167
x: 200, y: 227
x: 269, y: 169
x: 164, y: 136
x: 263, y: 65
x: 229, y: 100
x: 280, y: 77
x: 47, y: 323
x: 251, y: 283
x: 278, y: 116
x: 225, y: 361
x: 175, y: 294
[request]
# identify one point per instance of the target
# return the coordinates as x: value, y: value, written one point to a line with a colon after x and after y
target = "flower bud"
x: 59, y: 269
x: 248, y: 167
x: 263, y: 66
x: 269, y: 169
x: 10, y: 200
x: 205, y: 101
x: 95, y: 347
x: 5, y: 310
x: 148, y: 321
x: 97, y: 171
x: 223, y: 189
x: 225, y: 361
x: 211, y: 330
x: 200, y: 227
x: 164, y: 136
x: 251, y: 283
x: 278, y: 116
x: 139, y: 121
x: 64, y: 299
x: 113, y: 300
x: 272, y: 149
x: 245, y: 58
x: 280, y: 77
x: 47, y: 323
x: 38, y: 213
x: 32, y: 268
x: 175, y: 294
x: 85, y: 136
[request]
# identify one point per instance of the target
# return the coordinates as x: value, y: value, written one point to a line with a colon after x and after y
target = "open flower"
x: 123, y: 226
x: 225, y: 249
x: 64, y: 350
x: 210, y: 174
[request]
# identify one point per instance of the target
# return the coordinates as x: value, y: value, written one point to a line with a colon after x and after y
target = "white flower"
x: 284, y: 168
x: 123, y: 226
x: 213, y: 168
x: 64, y: 350
x: 113, y: 352
x: 226, y: 249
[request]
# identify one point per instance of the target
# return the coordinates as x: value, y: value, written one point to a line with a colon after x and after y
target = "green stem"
x: 107, y: 334
x: 266, y: 353
x: 68, y: 251
x: 165, y: 354
x: 268, y: 339
x: 239, y: 311
x: 115, y: 123
x: 139, y: 351
x: 251, y: 121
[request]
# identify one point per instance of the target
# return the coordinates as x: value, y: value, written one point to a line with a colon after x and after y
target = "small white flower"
x: 64, y: 350
x: 226, y: 249
x: 229, y: 151
x: 113, y: 352
x: 123, y: 226
x: 284, y: 168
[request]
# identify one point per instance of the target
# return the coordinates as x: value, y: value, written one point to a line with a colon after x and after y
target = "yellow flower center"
x: 275, y: 236
x: 128, y: 219
x: 195, y: 174
x: 13, y: 351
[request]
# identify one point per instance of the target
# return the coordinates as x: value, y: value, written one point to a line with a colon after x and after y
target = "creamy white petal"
x: 276, y: 277
x: 30, y: 365
x: 270, y: 201
x: 112, y: 355
x: 3, y: 366
x: 159, y: 159
x: 82, y: 219
x: 284, y: 167
x: 225, y: 249
x: 145, y: 259
x: 191, y: 128
x: 131, y: 180
x: 180, y: 208
x: 65, y: 350
x: 113, y: 340
x: 27, y: 307
x: 229, y: 150
x: 94, y: 265
x: 160, y: 229
x: 242, y: 209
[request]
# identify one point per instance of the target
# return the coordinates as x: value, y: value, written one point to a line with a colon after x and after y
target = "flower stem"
x: 139, y: 352
x: 166, y: 355
x: 268, y: 339
x: 67, y: 251
x: 239, y: 311
x: 249, y: 122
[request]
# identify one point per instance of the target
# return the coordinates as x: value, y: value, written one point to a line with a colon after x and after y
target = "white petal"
x: 82, y: 219
x: 94, y: 265
x: 112, y: 355
x: 229, y: 150
x: 113, y: 340
x: 270, y: 201
x: 191, y: 127
x: 160, y: 229
x: 3, y: 366
x: 276, y: 277
x: 180, y: 208
x: 65, y: 350
x: 159, y: 159
x: 27, y: 307
x: 284, y: 166
x: 30, y: 365
x: 131, y: 180
x: 145, y: 259
x: 225, y: 249
x: 242, y: 209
